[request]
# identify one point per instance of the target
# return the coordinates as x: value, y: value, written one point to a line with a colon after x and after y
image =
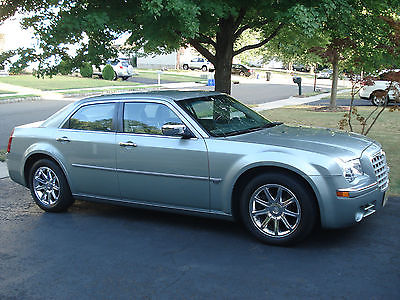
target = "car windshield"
x: 221, y: 115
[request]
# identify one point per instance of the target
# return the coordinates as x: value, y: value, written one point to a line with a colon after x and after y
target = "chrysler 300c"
x: 200, y: 153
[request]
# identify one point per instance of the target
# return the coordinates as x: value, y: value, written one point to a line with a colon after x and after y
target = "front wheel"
x: 185, y: 67
x: 277, y: 209
x: 49, y: 187
x: 204, y: 68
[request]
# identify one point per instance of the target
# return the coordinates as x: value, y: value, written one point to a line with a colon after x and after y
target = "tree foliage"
x: 158, y: 26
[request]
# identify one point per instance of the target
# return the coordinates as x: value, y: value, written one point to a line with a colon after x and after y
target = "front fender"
x: 221, y: 194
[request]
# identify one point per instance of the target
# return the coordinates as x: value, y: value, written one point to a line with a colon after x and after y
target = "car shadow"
x: 231, y: 231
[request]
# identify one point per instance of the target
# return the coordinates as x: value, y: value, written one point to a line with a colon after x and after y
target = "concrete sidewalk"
x: 293, y: 101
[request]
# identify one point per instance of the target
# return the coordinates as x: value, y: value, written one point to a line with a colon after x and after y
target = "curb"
x: 21, y: 99
x: 3, y: 170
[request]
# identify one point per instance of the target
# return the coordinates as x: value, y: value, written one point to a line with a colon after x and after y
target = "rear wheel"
x: 204, y: 68
x: 278, y: 209
x: 241, y: 73
x: 185, y: 67
x: 49, y: 187
x: 379, y: 100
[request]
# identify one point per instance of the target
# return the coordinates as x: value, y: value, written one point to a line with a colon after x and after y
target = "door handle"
x: 62, y: 139
x: 127, y: 144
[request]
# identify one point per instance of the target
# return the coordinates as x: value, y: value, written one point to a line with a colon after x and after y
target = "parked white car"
x: 122, y: 68
x: 325, y: 74
x: 372, y: 92
x: 198, y: 63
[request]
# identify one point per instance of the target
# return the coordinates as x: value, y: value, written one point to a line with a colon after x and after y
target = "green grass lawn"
x: 6, y: 92
x: 61, y: 82
x: 386, y: 131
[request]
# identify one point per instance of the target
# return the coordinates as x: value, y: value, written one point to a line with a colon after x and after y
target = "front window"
x: 148, y: 118
x: 222, y: 115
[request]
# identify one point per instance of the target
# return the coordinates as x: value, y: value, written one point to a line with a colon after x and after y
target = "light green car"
x: 200, y: 153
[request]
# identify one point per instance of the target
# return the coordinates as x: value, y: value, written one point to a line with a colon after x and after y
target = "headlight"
x: 351, y: 169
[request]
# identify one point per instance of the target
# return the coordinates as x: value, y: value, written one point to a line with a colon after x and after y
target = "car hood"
x: 319, y: 140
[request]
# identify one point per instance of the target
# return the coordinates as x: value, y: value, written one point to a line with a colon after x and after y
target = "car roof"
x: 169, y: 95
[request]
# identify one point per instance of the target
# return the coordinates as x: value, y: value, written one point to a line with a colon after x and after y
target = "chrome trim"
x: 128, y: 144
x: 350, y: 190
x: 214, y: 180
x: 154, y: 135
x: 141, y: 203
x: 94, y: 167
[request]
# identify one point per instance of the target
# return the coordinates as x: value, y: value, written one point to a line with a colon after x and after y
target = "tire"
x: 115, y: 76
x: 377, y: 101
x: 47, y: 175
x: 185, y: 67
x: 278, y: 222
x: 204, y: 68
x: 124, y: 78
x: 241, y: 73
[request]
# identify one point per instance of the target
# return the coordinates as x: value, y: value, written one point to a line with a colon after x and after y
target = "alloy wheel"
x: 46, y: 186
x: 275, y: 210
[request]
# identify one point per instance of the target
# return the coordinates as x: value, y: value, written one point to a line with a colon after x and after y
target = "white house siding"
x: 158, y: 61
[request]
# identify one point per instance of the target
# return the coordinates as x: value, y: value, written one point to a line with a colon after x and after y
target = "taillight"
x: 121, y: 67
x: 10, y: 141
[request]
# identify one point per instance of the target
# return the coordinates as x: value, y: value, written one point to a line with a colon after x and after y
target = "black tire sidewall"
x: 307, y: 205
x: 65, y: 199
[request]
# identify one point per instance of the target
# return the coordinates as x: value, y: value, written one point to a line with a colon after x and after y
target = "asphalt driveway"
x: 108, y: 252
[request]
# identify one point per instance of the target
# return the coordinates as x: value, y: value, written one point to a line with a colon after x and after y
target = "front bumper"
x: 339, y: 212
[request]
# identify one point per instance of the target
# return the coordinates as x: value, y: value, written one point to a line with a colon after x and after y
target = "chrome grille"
x: 381, y: 169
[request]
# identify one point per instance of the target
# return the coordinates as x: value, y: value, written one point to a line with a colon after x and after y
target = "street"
x: 107, y: 252
x: 19, y: 113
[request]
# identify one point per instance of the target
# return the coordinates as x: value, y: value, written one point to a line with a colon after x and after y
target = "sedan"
x: 241, y: 70
x: 200, y: 153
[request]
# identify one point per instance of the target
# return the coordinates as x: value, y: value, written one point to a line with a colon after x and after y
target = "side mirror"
x: 176, y: 130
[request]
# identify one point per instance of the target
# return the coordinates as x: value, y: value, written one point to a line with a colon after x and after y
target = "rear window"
x: 96, y: 117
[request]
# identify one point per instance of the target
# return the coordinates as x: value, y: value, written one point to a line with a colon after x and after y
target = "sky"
x: 16, y: 36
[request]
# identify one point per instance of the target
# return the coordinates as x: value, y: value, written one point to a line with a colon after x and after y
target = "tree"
x: 356, y: 33
x: 158, y: 26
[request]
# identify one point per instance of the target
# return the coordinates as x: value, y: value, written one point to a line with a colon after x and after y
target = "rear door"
x: 87, y: 144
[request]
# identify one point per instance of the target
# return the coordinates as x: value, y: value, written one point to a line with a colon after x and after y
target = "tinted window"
x: 148, y: 118
x: 97, y: 117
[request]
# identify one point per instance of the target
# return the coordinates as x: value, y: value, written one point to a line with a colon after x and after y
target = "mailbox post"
x: 298, y: 81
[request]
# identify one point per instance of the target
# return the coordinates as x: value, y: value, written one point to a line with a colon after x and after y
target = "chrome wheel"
x: 46, y: 186
x: 378, y: 101
x: 274, y: 210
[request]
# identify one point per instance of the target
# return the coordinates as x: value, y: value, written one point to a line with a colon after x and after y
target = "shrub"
x: 65, y: 67
x: 108, y: 72
x: 86, y: 70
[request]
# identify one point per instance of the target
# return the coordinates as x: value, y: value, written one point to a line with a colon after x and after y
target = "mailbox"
x: 297, y: 80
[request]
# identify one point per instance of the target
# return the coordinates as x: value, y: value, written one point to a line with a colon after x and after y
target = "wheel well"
x: 249, y: 174
x: 31, y: 160
x: 373, y: 92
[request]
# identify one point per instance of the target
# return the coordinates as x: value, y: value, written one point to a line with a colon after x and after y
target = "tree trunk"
x: 223, y: 55
x: 335, y: 77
